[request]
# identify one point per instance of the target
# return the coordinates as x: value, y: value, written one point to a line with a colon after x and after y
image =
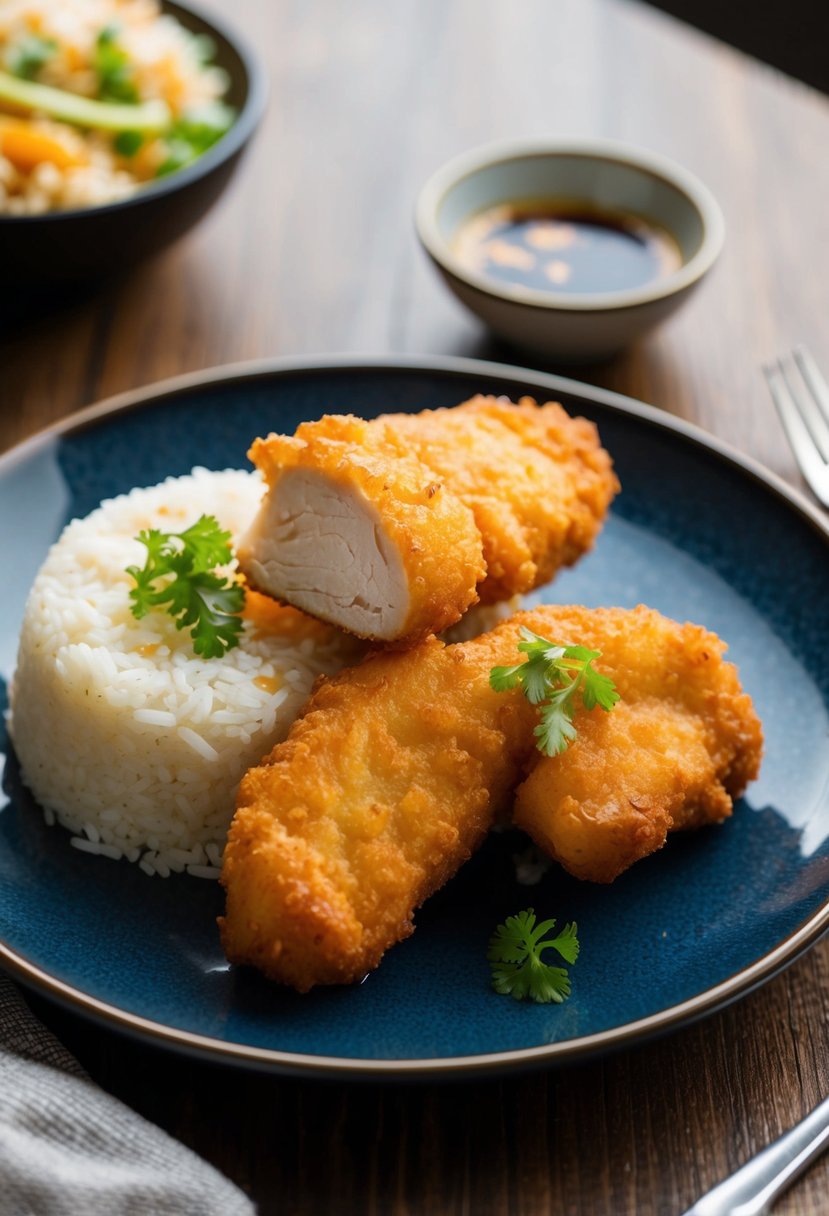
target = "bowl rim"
x: 230, y: 143
x: 647, y: 162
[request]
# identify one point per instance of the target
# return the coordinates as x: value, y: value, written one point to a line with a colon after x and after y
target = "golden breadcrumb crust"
x: 486, y: 500
x: 682, y: 743
x: 538, y: 482
x: 398, y: 767
x: 382, y: 789
x: 433, y: 531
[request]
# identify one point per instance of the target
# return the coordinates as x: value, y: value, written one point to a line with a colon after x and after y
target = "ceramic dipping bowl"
x: 591, y: 175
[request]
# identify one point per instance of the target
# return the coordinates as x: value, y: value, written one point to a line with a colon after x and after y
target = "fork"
x: 801, y: 396
x: 753, y: 1189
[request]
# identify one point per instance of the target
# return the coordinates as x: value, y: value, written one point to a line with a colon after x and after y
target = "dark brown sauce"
x: 566, y: 246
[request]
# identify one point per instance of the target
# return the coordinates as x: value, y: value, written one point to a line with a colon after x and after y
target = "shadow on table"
x: 493, y: 350
x: 34, y: 305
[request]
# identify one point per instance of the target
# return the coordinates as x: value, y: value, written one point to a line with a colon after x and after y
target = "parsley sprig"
x: 518, y: 969
x: 551, y: 677
x: 190, y: 591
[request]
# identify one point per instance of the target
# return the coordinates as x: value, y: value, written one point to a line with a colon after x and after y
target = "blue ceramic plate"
x: 697, y: 533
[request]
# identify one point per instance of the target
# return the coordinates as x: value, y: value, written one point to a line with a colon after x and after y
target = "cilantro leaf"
x: 567, y: 943
x: 212, y: 609
x: 555, y: 732
x: 504, y: 678
x: 209, y: 544
x: 534, y: 679
x: 514, y: 955
x: 190, y: 592
x: 599, y: 690
x: 551, y: 676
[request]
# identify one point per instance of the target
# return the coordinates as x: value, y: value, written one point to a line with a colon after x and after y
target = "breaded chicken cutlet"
x: 680, y: 745
x: 392, y: 528
x: 398, y: 767
x: 383, y: 788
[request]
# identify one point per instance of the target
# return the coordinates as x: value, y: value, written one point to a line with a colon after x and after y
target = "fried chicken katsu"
x: 392, y: 528
x: 380, y: 792
x: 398, y: 768
x: 681, y: 744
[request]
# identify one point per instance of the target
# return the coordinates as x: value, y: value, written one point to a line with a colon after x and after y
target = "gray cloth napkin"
x: 69, y: 1149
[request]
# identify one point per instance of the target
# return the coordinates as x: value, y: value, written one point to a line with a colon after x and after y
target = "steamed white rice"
x: 124, y: 735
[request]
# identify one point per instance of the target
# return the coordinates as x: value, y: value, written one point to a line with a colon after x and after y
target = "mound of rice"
x: 123, y: 734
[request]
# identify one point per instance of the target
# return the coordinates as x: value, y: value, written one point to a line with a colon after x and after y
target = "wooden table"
x: 314, y: 251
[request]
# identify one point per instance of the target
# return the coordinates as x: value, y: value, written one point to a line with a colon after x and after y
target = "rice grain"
x: 124, y: 735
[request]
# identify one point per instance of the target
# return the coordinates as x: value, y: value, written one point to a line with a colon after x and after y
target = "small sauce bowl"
x: 598, y: 180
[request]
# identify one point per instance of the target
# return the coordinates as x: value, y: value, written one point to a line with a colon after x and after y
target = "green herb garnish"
x: 127, y: 143
x: 514, y: 954
x: 191, y: 593
x: 29, y: 55
x: 551, y: 677
x: 113, y: 69
x: 192, y: 135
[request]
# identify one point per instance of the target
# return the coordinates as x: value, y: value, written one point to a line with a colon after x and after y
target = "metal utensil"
x: 801, y: 396
x: 753, y: 1189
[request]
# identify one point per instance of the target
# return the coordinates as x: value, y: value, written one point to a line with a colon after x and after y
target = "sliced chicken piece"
x: 538, y: 482
x: 399, y: 767
x: 366, y: 541
x: 680, y: 745
x: 392, y: 528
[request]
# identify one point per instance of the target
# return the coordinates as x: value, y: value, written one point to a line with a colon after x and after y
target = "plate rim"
x: 734, y: 987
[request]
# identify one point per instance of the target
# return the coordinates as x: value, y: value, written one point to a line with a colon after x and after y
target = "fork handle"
x: 753, y: 1189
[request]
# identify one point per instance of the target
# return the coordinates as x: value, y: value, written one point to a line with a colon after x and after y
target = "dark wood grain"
x: 314, y: 251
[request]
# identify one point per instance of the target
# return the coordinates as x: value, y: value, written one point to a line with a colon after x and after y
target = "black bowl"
x: 63, y: 249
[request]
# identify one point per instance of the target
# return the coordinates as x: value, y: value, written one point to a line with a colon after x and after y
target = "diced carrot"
x: 173, y: 85
x: 26, y: 147
x: 75, y: 57
x: 144, y: 165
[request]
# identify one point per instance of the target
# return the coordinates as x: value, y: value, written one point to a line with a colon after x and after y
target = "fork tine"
x: 811, y: 374
x: 813, y: 468
x: 807, y: 402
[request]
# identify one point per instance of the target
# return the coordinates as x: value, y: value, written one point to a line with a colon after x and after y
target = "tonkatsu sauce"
x: 566, y: 246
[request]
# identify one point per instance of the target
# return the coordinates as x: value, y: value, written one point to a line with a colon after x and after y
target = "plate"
x: 697, y: 532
